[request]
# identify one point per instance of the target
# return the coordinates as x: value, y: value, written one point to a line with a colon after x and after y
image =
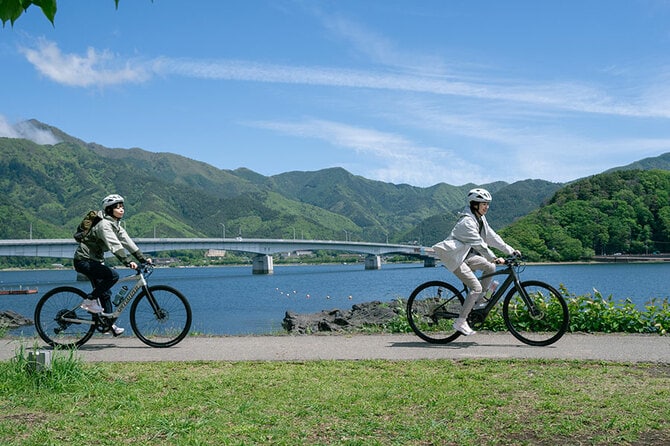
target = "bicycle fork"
x: 534, y: 311
x: 513, y: 279
x: 158, y: 311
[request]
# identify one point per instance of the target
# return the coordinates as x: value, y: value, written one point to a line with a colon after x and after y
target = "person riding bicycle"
x: 466, y: 250
x: 89, y: 259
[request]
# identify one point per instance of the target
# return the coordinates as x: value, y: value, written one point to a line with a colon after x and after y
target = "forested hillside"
x: 45, y: 190
x: 626, y: 211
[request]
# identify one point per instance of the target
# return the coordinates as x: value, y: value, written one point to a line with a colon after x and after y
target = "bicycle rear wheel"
x: 60, y: 322
x: 541, y: 323
x: 431, y: 310
x: 161, y: 318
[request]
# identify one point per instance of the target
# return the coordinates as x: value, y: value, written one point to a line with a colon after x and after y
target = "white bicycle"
x: 160, y: 315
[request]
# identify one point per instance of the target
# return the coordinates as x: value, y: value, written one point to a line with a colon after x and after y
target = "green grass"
x: 427, y: 402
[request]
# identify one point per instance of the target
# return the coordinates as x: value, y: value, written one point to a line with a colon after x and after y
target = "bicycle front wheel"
x: 431, y: 310
x: 60, y: 322
x: 162, y: 317
x: 539, y: 320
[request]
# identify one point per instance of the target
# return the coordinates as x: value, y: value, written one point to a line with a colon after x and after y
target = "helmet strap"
x: 474, y: 208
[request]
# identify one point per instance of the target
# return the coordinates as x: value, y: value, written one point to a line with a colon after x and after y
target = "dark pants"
x: 102, y: 278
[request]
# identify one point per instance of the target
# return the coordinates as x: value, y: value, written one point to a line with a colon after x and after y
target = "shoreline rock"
x: 11, y: 319
x: 361, y: 315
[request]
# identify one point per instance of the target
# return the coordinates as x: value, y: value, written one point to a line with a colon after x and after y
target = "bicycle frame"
x: 511, y: 279
x: 140, y: 283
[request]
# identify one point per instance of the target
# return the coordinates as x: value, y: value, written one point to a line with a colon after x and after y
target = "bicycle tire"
x: 431, y: 310
x: 541, y: 329
x: 51, y: 311
x: 169, y: 324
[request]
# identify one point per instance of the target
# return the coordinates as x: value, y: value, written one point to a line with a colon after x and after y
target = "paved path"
x: 611, y: 347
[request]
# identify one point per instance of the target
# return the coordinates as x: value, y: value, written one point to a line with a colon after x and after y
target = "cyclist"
x: 466, y: 250
x: 89, y: 259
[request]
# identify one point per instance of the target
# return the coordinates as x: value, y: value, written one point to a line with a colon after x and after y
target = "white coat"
x: 466, y: 236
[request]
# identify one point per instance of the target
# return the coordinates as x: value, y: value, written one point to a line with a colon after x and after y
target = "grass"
x: 426, y: 402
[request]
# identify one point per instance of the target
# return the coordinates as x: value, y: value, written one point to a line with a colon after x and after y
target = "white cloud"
x: 93, y: 69
x: 380, y: 49
x: 522, y: 127
x: 25, y: 130
x: 384, y: 156
x: 103, y: 68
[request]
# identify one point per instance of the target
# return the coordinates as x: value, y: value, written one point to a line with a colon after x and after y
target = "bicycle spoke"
x: 60, y: 322
x: 163, y: 321
x: 431, y: 310
x: 541, y: 319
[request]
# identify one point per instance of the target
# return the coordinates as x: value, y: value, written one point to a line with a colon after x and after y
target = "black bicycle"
x: 533, y: 311
x: 160, y: 315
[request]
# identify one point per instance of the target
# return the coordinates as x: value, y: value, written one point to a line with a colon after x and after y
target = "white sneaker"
x: 91, y: 305
x: 117, y: 331
x: 462, y: 326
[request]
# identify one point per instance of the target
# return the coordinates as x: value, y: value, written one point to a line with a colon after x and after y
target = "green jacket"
x: 108, y: 236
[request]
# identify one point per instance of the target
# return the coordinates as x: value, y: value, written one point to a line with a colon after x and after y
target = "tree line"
x: 620, y: 212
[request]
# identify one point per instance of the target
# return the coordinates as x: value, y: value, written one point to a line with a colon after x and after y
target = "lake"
x: 231, y: 300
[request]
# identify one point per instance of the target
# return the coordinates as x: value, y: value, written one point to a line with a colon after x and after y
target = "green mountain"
x: 626, y: 211
x: 45, y: 190
x: 661, y: 162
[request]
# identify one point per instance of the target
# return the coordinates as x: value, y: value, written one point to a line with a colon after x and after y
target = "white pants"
x: 466, y: 272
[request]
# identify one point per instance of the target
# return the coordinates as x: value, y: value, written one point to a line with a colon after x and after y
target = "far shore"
x: 620, y: 260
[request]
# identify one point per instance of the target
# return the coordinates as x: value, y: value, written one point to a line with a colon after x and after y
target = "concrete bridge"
x: 262, y: 248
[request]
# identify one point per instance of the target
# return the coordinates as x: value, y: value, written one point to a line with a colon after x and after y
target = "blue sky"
x: 402, y: 91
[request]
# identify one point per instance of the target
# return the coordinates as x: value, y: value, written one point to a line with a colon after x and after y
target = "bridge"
x: 263, y: 249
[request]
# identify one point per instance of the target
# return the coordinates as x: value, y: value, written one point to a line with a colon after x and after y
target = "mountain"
x: 658, y: 162
x: 625, y: 211
x: 47, y: 188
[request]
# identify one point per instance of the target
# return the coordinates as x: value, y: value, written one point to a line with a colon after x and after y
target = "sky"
x: 401, y: 91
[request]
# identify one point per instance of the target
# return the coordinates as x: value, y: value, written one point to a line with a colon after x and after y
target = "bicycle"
x: 533, y: 311
x: 160, y: 315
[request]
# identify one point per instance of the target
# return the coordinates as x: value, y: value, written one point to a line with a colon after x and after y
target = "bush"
x: 598, y: 314
x: 591, y: 314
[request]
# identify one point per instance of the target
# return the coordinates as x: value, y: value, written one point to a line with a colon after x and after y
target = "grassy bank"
x: 441, y: 402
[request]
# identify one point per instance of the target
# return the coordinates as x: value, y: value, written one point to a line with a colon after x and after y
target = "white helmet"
x: 111, y: 200
x: 479, y: 195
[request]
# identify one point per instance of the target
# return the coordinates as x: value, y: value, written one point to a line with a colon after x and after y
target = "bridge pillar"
x: 262, y: 264
x: 373, y: 262
x: 429, y: 262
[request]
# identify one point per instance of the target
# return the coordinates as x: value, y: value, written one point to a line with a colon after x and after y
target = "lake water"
x: 232, y: 300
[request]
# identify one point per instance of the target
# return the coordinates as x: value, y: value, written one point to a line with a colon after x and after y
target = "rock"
x: 361, y: 315
x: 11, y: 319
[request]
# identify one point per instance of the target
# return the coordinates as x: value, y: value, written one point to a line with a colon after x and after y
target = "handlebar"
x: 514, y: 260
x: 145, y: 268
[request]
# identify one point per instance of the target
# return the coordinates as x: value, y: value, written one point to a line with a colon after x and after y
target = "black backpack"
x: 90, y: 219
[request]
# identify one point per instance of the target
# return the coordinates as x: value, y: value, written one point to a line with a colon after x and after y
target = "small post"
x: 39, y: 361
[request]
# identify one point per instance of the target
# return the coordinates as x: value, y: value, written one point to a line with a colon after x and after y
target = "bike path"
x: 598, y: 347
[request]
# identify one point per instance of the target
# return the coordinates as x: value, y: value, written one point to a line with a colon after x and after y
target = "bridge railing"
x: 64, y: 248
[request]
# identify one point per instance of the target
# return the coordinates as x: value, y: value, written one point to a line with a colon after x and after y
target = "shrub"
x: 591, y: 314
x: 599, y: 314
